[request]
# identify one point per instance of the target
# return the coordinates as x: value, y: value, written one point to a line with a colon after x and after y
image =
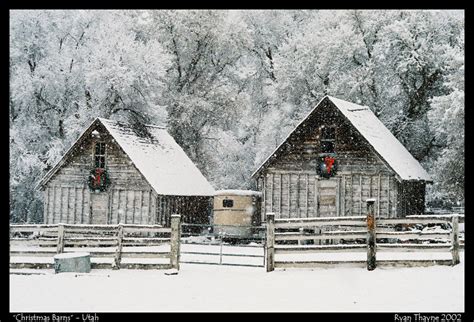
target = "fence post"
x: 455, y: 239
x: 270, y: 244
x: 60, y: 243
x: 220, y: 252
x: 371, y: 238
x: 301, y: 232
x: 118, y: 251
x: 175, y: 240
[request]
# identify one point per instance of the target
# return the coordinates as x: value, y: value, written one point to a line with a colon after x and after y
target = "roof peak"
x: 380, y: 139
x: 358, y: 106
x: 161, y: 161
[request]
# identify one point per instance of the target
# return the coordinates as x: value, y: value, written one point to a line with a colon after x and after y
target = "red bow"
x: 98, y: 174
x: 329, y: 161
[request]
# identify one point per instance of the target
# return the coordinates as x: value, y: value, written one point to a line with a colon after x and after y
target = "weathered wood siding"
x: 412, y: 198
x: 292, y: 189
x: 130, y: 199
x: 193, y: 209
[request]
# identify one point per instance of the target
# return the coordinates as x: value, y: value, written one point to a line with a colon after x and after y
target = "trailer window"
x: 227, y: 203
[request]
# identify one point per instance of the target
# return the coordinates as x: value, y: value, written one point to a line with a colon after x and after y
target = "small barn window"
x: 99, y: 156
x: 227, y: 203
x: 328, y: 139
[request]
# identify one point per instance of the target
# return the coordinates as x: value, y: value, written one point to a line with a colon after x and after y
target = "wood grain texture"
x: 361, y: 172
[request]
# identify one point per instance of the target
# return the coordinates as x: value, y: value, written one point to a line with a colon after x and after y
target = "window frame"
x: 325, y: 141
x: 225, y: 203
x: 102, y: 154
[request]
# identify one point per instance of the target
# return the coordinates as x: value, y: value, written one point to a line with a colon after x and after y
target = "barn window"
x: 328, y: 139
x: 99, y: 156
x: 227, y: 203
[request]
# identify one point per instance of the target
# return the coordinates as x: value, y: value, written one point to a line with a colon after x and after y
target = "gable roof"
x: 160, y: 160
x: 382, y: 141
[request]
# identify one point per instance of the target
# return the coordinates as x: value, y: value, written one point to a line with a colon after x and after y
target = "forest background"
x: 229, y: 85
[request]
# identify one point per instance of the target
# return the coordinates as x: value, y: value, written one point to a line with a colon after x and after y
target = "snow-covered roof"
x: 160, y: 160
x: 384, y: 143
x: 237, y: 192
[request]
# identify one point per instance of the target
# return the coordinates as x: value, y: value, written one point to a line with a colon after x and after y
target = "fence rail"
x: 32, y: 244
x: 137, y: 246
x: 298, y: 237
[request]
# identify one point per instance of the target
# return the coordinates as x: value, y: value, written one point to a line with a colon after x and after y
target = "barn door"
x: 99, y: 207
x: 327, y: 197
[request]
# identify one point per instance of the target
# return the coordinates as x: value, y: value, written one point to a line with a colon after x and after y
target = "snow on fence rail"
x: 352, y: 234
x: 110, y: 246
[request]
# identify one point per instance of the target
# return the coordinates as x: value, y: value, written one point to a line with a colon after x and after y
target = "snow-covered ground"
x: 223, y: 288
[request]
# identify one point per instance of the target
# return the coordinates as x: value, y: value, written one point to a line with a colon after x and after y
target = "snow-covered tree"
x: 447, y: 121
x: 231, y: 84
x: 68, y: 67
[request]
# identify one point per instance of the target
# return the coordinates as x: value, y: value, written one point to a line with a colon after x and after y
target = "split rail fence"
x: 156, y: 247
x: 110, y: 246
x: 299, y: 237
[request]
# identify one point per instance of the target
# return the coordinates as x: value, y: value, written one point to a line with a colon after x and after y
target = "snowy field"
x: 213, y: 288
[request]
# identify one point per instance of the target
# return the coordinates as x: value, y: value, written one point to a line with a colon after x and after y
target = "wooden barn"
x: 116, y: 173
x: 338, y: 156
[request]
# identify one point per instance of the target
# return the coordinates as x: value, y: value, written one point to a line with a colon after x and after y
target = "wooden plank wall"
x: 192, y: 208
x: 69, y: 204
x: 302, y: 195
x: 132, y: 206
x: 66, y: 204
x: 411, y: 198
x: 292, y: 189
x: 130, y: 197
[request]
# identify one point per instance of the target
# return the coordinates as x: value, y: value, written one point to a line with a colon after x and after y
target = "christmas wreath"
x: 98, y: 179
x: 327, y: 166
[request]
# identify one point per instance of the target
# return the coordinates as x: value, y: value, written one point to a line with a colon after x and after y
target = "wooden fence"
x: 110, y: 246
x: 359, y: 234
